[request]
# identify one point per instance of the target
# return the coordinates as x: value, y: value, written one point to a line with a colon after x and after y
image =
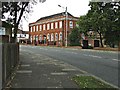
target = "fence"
x: 10, y: 59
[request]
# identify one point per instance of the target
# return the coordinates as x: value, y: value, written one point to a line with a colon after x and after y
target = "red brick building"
x: 51, y: 30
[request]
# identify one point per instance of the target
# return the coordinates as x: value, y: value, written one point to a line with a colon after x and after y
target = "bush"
x: 89, y: 47
x: 74, y: 44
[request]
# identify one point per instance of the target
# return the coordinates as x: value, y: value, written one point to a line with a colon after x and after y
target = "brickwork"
x: 51, y: 29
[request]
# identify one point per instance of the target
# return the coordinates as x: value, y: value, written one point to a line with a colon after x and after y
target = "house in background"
x: 22, y: 36
x: 51, y: 30
x: 6, y: 32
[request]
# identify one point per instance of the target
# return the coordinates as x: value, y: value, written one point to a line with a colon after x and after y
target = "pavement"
x: 40, y: 71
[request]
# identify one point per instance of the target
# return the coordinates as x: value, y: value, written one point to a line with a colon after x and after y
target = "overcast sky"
x: 50, y: 7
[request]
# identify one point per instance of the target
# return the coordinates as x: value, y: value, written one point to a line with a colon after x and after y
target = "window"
x: 60, y: 24
x: 40, y: 27
x: 34, y: 37
x: 56, y: 24
x: 36, y: 28
x: 51, y: 25
x: 60, y: 36
x: 48, y: 26
x: 48, y: 37
x: 56, y: 37
x: 44, y: 27
x: 71, y: 24
x: 52, y: 37
x: 40, y: 38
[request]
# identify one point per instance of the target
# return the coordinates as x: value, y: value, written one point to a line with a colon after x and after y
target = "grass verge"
x: 90, y: 82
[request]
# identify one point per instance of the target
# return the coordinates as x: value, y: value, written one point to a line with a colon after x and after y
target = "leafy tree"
x: 103, y: 18
x: 112, y: 15
x: 74, y: 37
x: 16, y: 11
x: 83, y: 24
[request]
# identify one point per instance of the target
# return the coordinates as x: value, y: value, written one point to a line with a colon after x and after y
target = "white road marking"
x: 24, y: 71
x: 95, y: 56
x: 69, y: 69
x: 85, y: 54
x: 115, y: 60
x: 59, y: 73
x: 27, y: 65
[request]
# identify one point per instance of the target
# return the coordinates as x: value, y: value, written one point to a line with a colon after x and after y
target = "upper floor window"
x: 44, y: 27
x: 31, y: 29
x: 40, y: 27
x: 71, y: 24
x: 36, y: 28
x: 60, y: 24
x: 51, y: 25
x: 56, y: 24
x: 48, y: 26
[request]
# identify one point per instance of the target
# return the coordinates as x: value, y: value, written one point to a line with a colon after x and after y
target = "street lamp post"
x: 66, y: 14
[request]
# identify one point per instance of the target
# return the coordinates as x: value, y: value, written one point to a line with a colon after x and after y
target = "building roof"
x: 51, y: 16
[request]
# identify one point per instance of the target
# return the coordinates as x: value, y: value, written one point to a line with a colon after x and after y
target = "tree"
x: 103, y: 18
x: 112, y: 15
x: 83, y: 24
x: 97, y: 19
x: 16, y: 11
x: 74, y: 37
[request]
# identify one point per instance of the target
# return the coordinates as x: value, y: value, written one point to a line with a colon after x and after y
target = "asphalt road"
x: 99, y: 63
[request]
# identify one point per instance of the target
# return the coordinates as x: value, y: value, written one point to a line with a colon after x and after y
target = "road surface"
x: 102, y: 64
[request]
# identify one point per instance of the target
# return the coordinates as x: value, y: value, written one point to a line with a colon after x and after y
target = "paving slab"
x: 40, y: 71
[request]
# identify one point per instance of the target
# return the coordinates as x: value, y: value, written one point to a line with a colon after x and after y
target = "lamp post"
x: 66, y: 17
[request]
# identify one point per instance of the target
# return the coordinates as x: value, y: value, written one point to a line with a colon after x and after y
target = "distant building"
x: 22, y: 36
x: 51, y: 30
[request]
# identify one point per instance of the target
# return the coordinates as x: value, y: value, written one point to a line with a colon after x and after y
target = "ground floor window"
x: 48, y: 37
x: 56, y: 36
x: 52, y: 37
x: 60, y: 36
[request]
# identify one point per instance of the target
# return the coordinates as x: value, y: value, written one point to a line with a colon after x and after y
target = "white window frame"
x: 48, y: 26
x: 44, y: 26
x: 56, y: 24
x: 56, y: 36
x: 52, y: 26
x: 60, y: 37
x: 37, y: 28
x: 71, y: 24
x: 40, y: 37
x: 34, y: 28
x: 48, y: 37
x: 40, y: 27
x: 60, y: 24
x: 34, y: 37
x: 52, y: 37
